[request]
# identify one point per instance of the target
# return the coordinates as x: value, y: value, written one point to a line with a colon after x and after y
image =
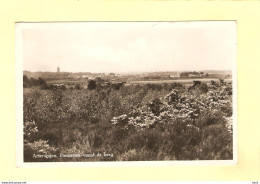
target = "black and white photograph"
x: 126, y: 91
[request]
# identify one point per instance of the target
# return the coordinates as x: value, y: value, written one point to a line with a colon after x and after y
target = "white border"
x: 234, y: 91
x: 19, y: 27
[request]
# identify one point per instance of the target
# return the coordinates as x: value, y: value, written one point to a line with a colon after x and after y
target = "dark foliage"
x: 92, y: 85
x: 149, y: 122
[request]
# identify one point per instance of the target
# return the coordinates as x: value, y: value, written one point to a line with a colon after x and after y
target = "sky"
x: 123, y: 47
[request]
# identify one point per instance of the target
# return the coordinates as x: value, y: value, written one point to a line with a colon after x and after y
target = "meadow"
x: 130, y: 123
x: 186, y: 82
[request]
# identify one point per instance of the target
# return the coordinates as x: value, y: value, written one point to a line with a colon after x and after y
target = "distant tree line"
x: 97, y: 83
x: 193, y: 74
x: 30, y: 82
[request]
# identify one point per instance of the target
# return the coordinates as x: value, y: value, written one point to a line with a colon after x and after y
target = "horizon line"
x: 133, y: 71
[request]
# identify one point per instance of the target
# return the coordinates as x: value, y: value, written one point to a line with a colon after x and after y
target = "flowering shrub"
x: 185, y: 106
x: 35, y: 148
x: 30, y: 130
x: 194, y: 116
x: 150, y: 122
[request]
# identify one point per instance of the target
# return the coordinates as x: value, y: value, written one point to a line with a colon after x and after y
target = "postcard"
x: 126, y: 93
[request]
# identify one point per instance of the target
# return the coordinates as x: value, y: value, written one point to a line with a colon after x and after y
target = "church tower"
x: 58, y: 69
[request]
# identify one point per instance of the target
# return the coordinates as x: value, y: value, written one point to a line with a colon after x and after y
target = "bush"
x: 133, y: 122
x: 34, y: 82
x: 38, y: 150
x: 92, y: 85
x: 78, y: 86
x: 198, y: 85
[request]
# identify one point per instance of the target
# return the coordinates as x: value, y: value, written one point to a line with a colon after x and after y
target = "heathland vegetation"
x: 127, y: 122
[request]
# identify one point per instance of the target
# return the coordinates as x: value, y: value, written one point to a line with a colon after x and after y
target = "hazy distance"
x: 127, y: 47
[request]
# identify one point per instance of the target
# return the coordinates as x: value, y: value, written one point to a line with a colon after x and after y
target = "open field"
x: 186, y: 82
x: 63, y: 81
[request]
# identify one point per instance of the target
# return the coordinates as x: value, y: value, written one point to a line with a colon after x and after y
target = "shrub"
x: 38, y: 150
x: 92, y: 85
x: 78, y: 86
x: 134, y: 122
